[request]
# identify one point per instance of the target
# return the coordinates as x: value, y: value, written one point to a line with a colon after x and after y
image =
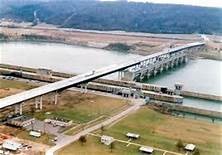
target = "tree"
x: 196, y: 152
x: 179, y: 144
x: 102, y: 129
x: 112, y: 146
x: 82, y: 139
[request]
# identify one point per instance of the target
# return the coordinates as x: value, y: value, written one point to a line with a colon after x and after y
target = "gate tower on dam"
x: 158, y: 64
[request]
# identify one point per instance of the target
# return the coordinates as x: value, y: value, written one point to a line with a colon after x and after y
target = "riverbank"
x: 138, y: 44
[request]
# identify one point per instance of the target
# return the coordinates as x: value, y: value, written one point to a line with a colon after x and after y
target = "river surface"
x: 59, y: 57
x: 199, y: 75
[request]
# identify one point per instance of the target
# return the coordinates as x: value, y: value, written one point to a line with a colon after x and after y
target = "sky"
x: 208, y: 3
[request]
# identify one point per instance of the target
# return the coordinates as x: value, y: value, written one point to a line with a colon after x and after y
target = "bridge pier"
x: 18, y: 108
x: 176, y: 62
x: 38, y: 103
x: 84, y: 88
x: 166, y: 66
x: 161, y: 68
x: 155, y: 72
x: 56, y: 98
x: 171, y: 64
x: 148, y: 74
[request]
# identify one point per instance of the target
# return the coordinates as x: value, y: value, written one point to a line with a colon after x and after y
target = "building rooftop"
x: 146, y: 149
x: 132, y: 135
x: 190, y: 147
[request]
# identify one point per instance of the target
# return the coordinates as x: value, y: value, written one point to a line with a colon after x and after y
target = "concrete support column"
x: 84, y: 88
x: 38, y: 103
x: 56, y: 98
x: 185, y: 59
x: 120, y: 75
x: 166, y: 66
x: 176, y: 62
x: 20, y: 108
x: 161, y: 68
x: 171, y: 64
x: 16, y: 109
x: 180, y: 60
x: 155, y: 72
x: 148, y: 74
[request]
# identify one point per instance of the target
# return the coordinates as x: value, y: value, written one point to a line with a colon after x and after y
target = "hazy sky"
x: 210, y: 3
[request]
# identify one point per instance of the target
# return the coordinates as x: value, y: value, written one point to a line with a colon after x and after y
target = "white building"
x: 146, y: 149
x: 132, y: 135
x: 107, y: 140
x: 190, y: 147
x: 11, y: 145
x: 35, y: 134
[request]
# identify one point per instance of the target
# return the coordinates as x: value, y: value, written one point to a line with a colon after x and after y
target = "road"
x: 66, y: 140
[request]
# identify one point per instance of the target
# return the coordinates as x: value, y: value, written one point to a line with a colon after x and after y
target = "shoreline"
x: 111, y: 41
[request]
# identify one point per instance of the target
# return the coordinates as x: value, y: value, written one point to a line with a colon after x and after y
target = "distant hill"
x: 137, y: 17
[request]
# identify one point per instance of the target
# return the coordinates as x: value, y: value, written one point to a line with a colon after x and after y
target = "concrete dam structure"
x: 156, y: 65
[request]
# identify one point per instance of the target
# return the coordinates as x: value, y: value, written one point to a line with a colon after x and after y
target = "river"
x: 200, y: 75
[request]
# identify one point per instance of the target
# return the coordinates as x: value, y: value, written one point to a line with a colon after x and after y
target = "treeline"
x: 137, y: 17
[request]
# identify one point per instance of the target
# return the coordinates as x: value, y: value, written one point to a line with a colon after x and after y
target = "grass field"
x: 15, y: 84
x: 164, y: 131
x: 94, y: 147
x: 156, y: 130
x: 82, y: 108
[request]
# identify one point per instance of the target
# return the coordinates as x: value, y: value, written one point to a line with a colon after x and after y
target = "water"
x: 59, y: 57
x: 203, y: 104
x: 200, y: 75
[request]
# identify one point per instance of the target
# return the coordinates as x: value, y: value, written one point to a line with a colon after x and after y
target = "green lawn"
x: 156, y: 130
x: 163, y: 131
x: 82, y: 108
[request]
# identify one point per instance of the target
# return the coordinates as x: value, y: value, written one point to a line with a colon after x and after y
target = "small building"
x: 146, y: 149
x: 132, y: 135
x: 107, y: 140
x: 190, y: 147
x: 35, y: 134
x: 11, y: 145
x: 126, y: 92
x: 178, y: 88
x: 42, y: 72
x: 21, y: 121
x: 59, y: 122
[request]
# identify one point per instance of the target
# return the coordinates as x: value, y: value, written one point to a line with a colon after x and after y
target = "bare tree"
x: 112, y: 146
x: 82, y: 139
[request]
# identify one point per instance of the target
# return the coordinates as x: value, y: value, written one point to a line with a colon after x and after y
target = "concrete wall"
x: 180, y: 108
x: 110, y: 86
x: 129, y: 84
x: 201, y: 95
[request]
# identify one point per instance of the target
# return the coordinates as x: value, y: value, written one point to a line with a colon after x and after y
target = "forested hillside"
x: 142, y: 17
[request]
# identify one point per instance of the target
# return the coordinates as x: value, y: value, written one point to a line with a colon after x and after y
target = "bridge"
x: 18, y: 99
